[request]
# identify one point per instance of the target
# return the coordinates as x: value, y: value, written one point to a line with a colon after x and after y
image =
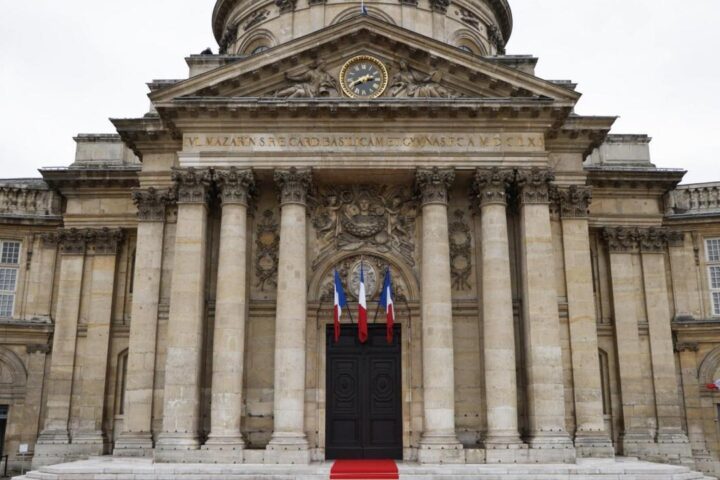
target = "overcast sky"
x: 66, y: 66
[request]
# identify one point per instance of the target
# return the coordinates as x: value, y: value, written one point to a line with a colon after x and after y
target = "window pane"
x: 6, y: 305
x: 713, y: 249
x: 8, y: 276
x: 715, y: 277
x: 10, y: 253
x: 716, y: 303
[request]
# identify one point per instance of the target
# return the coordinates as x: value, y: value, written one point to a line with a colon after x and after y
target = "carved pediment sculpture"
x: 409, y: 83
x: 348, y: 218
x: 314, y: 82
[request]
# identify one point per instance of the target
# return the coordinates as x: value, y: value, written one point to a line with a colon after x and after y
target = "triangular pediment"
x: 417, y: 67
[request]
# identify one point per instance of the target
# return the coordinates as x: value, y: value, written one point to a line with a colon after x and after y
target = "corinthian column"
x: 591, y: 437
x: 438, y: 444
x: 670, y: 437
x: 52, y: 445
x: 136, y: 438
x: 95, y: 358
x: 546, y: 389
x: 181, y: 414
x: 491, y: 187
x: 235, y: 187
x: 289, y: 443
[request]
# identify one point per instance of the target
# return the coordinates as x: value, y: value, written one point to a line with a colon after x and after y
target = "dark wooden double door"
x: 364, y: 395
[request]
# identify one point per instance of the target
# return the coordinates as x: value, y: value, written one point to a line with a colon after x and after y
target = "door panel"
x: 364, y: 395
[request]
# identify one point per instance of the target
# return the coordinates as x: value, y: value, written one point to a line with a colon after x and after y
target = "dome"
x: 244, y: 27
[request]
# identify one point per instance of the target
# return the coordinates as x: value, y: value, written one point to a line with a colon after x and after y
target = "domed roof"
x: 500, y: 8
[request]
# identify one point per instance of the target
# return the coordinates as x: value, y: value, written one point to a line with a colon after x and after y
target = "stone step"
x: 108, y: 468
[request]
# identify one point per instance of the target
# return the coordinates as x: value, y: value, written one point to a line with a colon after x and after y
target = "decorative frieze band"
x: 235, y: 186
x: 193, y: 185
x: 491, y: 185
x: 433, y: 183
x: 632, y: 239
x: 294, y: 185
x: 152, y: 203
x: 73, y: 241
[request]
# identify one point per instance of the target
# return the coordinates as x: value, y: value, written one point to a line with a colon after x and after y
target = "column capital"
x: 653, y: 239
x: 151, y: 203
x: 106, y: 240
x: 534, y: 185
x: 433, y: 183
x: 50, y: 240
x: 621, y: 239
x: 72, y: 241
x: 192, y: 184
x: 491, y: 185
x: 676, y: 239
x: 294, y: 185
x: 574, y: 202
x: 235, y: 186
x: 687, y: 347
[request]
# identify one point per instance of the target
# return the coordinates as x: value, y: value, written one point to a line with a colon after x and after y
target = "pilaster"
x: 548, y: 439
x: 136, y: 438
x: 439, y: 443
x: 591, y: 437
x: 181, y: 415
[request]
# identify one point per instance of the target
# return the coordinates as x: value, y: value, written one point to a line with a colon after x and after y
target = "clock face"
x: 363, y: 77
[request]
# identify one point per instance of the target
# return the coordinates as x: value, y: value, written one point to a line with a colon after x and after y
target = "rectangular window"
x: 712, y: 249
x: 9, y: 267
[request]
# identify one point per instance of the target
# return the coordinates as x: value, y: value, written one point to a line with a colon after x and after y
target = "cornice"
x: 658, y: 180
x: 103, y: 177
x: 580, y: 134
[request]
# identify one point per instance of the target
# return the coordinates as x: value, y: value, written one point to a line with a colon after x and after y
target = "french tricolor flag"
x: 386, y: 302
x: 713, y: 386
x: 340, y: 302
x: 362, y: 308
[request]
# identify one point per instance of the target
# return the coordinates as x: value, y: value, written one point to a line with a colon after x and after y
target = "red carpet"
x: 364, y: 470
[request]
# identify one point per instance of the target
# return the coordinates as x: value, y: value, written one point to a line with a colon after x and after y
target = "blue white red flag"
x: 340, y: 302
x: 363, y: 8
x: 386, y: 302
x: 362, y: 308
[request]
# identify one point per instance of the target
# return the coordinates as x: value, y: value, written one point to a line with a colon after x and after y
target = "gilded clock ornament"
x: 363, y: 77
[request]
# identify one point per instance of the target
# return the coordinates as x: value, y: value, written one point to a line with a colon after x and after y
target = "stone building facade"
x: 169, y: 293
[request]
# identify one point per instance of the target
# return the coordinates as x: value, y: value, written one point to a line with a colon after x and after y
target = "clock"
x: 363, y: 77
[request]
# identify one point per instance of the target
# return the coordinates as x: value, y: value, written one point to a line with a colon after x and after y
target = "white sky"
x: 66, y: 66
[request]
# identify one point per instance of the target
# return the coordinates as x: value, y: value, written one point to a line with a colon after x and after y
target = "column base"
x: 593, y: 445
x: 705, y: 463
x: 134, y: 444
x: 89, y: 442
x: 551, y: 447
x: 52, y: 447
x: 177, y: 448
x: 224, y: 449
x: 287, y: 449
x: 438, y: 449
x: 674, y: 447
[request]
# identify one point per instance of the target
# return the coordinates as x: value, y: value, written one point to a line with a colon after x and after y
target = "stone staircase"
x: 108, y: 468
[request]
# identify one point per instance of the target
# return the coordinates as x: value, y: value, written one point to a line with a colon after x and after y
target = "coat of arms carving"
x: 350, y: 218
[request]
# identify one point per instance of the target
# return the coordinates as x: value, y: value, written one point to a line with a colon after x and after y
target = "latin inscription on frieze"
x: 334, y: 142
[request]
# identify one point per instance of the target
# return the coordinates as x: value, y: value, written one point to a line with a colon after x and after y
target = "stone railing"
x: 698, y: 198
x: 28, y: 198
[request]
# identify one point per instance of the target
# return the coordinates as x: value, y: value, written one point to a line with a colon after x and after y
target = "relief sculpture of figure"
x: 407, y: 83
x: 314, y: 82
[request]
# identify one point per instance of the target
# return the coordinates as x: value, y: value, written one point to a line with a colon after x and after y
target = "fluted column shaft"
x: 181, y: 414
x: 230, y: 311
x: 136, y: 438
x: 289, y: 442
x: 497, y: 310
x: 591, y: 437
x: 97, y: 342
x: 439, y: 441
x: 546, y: 397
